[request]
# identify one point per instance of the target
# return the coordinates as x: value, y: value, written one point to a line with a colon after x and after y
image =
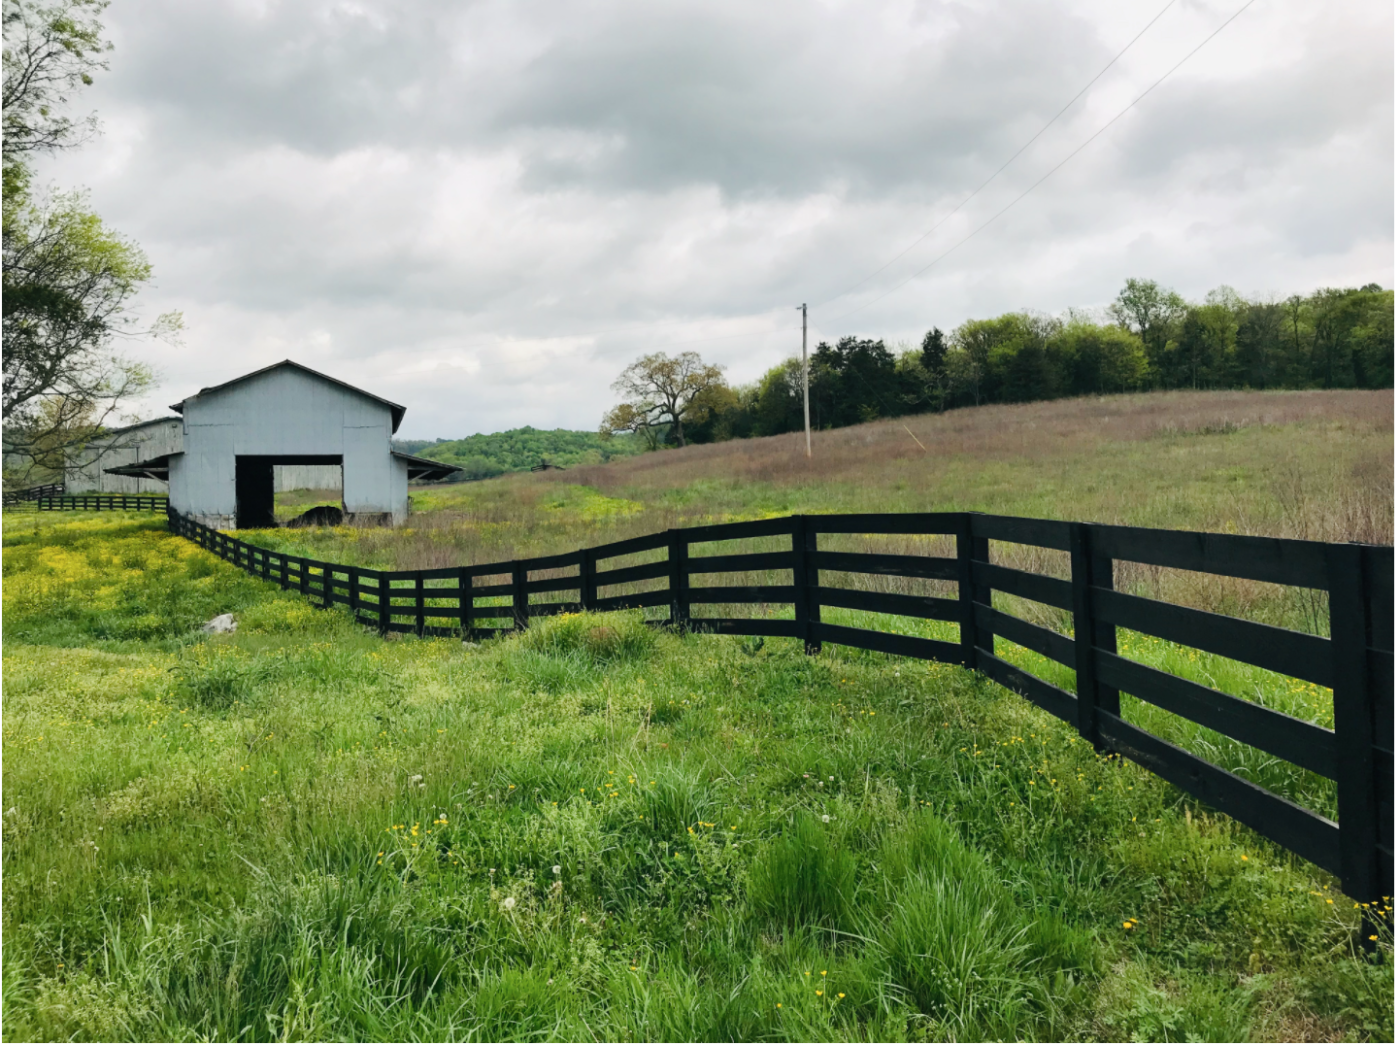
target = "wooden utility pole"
x: 806, y: 408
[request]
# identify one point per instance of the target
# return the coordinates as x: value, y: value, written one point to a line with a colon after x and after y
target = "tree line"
x: 1149, y: 338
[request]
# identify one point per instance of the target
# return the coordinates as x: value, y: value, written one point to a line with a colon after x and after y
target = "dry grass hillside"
x: 958, y: 459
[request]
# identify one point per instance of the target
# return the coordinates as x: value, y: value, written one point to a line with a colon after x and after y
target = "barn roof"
x: 395, y: 409
x: 420, y: 469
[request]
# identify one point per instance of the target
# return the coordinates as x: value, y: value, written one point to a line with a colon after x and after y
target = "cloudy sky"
x: 485, y: 210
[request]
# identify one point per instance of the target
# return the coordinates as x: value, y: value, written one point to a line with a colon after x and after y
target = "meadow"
x: 599, y: 829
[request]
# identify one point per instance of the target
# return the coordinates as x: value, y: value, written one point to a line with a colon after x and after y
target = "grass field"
x: 598, y: 830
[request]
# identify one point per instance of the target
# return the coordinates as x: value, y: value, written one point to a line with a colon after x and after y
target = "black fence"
x: 32, y: 493
x: 1356, y: 662
x: 106, y: 502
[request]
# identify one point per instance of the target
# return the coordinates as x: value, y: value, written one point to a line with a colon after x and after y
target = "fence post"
x: 587, y: 584
x: 283, y: 572
x: 1354, y: 721
x: 1088, y: 571
x: 972, y: 549
x: 384, y: 608
x: 352, y: 594
x: 806, y: 610
x: 678, y: 554
x: 327, y: 586
x: 465, y: 603
x: 519, y: 597
x: 418, y: 603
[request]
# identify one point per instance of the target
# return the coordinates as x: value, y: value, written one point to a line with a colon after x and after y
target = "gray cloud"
x: 487, y: 209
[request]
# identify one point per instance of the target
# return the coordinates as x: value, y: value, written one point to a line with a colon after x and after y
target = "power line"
x: 995, y: 174
x: 1156, y: 83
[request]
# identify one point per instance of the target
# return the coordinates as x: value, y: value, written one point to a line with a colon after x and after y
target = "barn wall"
x: 400, y: 491
x: 286, y: 412
x: 305, y: 477
x: 87, y: 475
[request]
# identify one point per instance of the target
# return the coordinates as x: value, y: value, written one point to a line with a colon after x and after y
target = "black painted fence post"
x: 418, y: 600
x: 519, y: 596
x: 465, y: 603
x: 678, y: 555
x: 587, y: 583
x: 972, y: 549
x: 806, y: 607
x: 327, y: 585
x: 385, y: 609
x: 1354, y: 721
x: 352, y: 594
x: 1089, y: 571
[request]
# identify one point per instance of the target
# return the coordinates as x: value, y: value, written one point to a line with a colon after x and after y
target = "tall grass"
x: 603, y: 830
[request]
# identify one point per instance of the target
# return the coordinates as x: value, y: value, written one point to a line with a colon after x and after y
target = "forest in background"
x: 1148, y: 338
x: 520, y: 449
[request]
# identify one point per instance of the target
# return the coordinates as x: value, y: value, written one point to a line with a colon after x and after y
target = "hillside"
x: 520, y: 449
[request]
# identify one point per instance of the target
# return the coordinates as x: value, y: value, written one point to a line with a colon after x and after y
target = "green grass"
x: 596, y: 830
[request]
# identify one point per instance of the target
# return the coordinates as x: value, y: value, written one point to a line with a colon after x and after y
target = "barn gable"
x: 237, y: 433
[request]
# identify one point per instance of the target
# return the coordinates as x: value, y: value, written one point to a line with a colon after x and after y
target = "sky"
x: 485, y: 210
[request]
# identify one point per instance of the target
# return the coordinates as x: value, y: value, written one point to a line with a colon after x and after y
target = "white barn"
x: 235, y: 434
x: 87, y: 470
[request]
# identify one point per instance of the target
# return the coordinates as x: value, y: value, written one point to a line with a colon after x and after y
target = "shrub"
x: 601, y: 638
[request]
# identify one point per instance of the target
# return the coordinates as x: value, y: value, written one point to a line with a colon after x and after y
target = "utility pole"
x: 806, y: 408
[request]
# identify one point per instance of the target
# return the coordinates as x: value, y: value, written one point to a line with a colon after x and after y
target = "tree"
x: 1100, y: 359
x: 68, y: 279
x: 667, y: 390
x: 51, y: 50
x: 625, y: 417
x: 853, y: 381
x: 1151, y: 313
x: 964, y: 374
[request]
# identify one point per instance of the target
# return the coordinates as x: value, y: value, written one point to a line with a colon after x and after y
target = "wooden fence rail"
x: 106, y: 502
x: 32, y: 493
x: 1356, y: 662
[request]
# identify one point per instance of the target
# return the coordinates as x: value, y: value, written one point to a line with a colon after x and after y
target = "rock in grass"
x: 220, y: 625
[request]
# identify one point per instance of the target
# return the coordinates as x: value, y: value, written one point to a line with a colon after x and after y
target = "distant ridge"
x: 520, y: 449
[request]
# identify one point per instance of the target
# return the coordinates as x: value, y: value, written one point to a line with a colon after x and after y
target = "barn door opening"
x: 252, y: 481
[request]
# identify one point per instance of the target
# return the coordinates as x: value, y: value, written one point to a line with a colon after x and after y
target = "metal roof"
x: 395, y: 409
x: 155, y: 468
x: 159, y: 467
x: 422, y: 468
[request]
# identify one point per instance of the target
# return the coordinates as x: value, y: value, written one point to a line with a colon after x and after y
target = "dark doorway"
x: 252, y: 483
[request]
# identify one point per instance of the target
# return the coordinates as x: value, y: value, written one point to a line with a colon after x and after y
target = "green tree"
x: 853, y: 380
x: 51, y: 52
x: 68, y: 279
x: 665, y: 390
x: 1260, y: 344
x: 1152, y: 313
x: 1101, y: 359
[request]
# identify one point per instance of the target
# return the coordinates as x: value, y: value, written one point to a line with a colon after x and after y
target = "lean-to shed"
x: 88, y: 469
x: 234, y: 434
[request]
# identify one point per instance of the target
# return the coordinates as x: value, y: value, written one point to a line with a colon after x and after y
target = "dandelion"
x: 556, y: 869
x: 826, y: 819
x: 839, y: 994
x: 508, y: 903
